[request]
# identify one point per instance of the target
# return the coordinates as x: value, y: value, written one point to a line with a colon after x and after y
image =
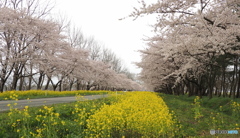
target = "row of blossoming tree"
x: 195, y: 49
x: 41, y: 53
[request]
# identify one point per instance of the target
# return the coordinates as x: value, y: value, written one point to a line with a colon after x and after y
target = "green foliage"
x: 34, y: 94
x: 196, y: 117
x: 60, y: 120
x: 235, y: 107
x: 192, y: 117
x: 197, y: 108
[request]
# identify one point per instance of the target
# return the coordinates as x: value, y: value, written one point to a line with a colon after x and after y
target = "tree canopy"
x: 41, y: 53
x: 195, y: 44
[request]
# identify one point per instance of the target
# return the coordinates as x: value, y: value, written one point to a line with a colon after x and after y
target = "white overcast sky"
x: 99, y: 18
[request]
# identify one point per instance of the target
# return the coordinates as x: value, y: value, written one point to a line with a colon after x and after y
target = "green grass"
x: 35, y: 94
x: 212, y: 117
x: 71, y: 121
x: 194, y: 118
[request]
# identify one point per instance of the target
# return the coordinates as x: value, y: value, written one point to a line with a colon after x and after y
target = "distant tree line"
x: 41, y: 53
x: 196, y: 49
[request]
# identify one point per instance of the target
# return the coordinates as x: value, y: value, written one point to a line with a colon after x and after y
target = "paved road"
x: 45, y: 101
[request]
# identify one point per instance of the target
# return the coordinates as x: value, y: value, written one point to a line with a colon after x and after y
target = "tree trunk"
x: 40, y: 79
x: 14, y: 82
x: 236, y: 75
x: 30, y: 78
x: 60, y: 86
x: 211, y: 82
x: 238, y: 87
x: 29, y: 82
x: 21, y: 83
x: 70, y: 85
x: 78, y: 85
x: 2, y: 83
x: 54, y: 87
x: 224, y: 91
x: 231, y: 86
x: 88, y: 86
x: 47, y: 84
x: 235, y: 80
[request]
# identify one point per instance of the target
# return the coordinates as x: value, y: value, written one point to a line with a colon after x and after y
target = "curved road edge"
x: 46, y: 101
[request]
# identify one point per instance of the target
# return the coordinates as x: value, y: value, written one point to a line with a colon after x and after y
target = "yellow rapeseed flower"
x: 13, y: 124
x: 63, y: 123
x: 142, y: 112
x: 57, y: 114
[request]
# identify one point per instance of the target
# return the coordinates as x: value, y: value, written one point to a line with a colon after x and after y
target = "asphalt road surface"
x: 45, y: 101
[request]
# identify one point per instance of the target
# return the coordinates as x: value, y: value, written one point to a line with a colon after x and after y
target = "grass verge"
x: 135, y: 114
x: 60, y: 120
x: 35, y: 94
x: 196, y: 117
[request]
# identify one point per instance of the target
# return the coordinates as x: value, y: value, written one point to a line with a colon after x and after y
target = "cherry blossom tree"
x: 37, y: 52
x: 23, y: 40
x: 192, y: 39
x: 33, y: 8
x: 102, y: 62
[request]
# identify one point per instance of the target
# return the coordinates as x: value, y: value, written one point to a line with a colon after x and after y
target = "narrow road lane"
x: 45, y: 101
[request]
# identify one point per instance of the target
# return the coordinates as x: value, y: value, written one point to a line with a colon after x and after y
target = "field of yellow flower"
x: 43, y: 94
x: 133, y: 114
x: 60, y: 120
x: 137, y: 114
x: 125, y: 115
